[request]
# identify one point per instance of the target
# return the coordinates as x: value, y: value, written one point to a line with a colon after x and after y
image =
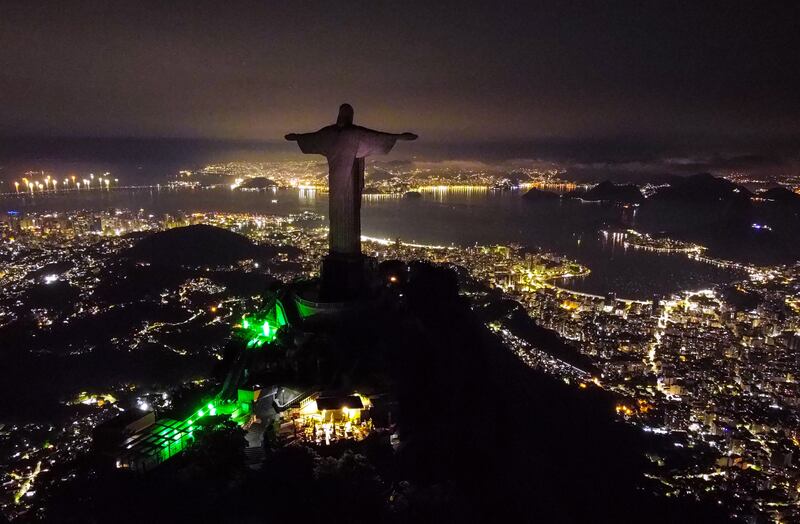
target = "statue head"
x: 345, y: 117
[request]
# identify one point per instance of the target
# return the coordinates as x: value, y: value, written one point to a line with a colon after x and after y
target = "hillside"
x: 480, y: 435
x: 198, y: 245
x: 781, y: 195
x: 702, y: 188
x: 539, y: 195
x: 608, y: 191
x: 724, y: 217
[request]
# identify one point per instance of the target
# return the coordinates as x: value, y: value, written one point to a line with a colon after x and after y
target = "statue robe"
x: 345, y: 148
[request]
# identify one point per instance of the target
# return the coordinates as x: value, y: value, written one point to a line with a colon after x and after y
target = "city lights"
x: 46, y: 183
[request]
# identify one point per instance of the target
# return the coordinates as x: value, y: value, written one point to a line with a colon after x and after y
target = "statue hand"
x: 407, y: 136
x: 292, y: 137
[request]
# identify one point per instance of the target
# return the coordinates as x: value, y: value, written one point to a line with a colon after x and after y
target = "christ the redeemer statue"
x: 345, y: 145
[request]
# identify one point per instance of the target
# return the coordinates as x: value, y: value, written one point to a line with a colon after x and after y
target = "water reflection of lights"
x: 614, y: 239
x: 381, y: 196
x: 441, y: 191
x: 307, y: 194
x: 388, y: 242
x: 453, y: 189
x: 558, y: 187
x: 48, y: 184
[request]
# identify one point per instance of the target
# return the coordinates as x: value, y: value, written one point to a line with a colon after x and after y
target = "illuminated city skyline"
x: 572, y: 294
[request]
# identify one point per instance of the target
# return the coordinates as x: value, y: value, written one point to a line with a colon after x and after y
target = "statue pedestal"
x: 343, y: 278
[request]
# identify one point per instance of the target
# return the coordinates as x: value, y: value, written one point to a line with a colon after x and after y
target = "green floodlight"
x: 262, y: 327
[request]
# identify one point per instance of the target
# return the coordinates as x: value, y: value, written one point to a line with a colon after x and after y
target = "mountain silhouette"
x: 538, y: 195
x: 700, y: 188
x: 781, y: 195
x: 200, y: 245
x: 260, y: 182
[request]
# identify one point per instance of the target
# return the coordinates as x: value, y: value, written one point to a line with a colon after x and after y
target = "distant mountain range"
x: 702, y: 188
x: 608, y: 191
x: 782, y: 195
x: 536, y: 195
x: 730, y: 219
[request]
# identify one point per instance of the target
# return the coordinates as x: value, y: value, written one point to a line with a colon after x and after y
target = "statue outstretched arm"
x: 379, y: 143
x: 311, y: 143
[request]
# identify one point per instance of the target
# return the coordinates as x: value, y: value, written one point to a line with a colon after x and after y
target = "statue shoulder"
x: 327, y: 130
x: 361, y: 130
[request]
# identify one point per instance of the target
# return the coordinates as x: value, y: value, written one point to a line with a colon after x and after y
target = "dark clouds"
x: 498, y: 71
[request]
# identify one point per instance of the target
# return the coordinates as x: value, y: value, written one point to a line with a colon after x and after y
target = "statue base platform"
x: 343, y: 278
x: 347, y: 285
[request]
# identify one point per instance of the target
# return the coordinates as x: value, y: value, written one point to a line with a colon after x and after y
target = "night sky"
x: 497, y: 72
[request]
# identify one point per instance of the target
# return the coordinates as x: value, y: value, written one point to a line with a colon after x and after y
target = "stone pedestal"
x: 343, y: 278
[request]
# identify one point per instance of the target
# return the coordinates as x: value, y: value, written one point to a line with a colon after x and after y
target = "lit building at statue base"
x: 324, y: 419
